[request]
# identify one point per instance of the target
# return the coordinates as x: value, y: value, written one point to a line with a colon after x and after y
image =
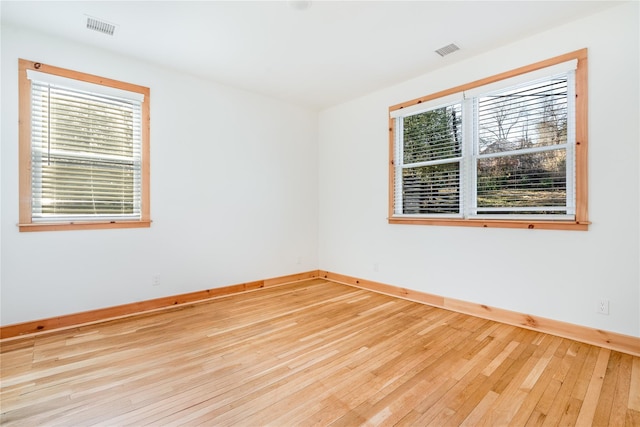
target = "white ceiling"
x: 323, y: 55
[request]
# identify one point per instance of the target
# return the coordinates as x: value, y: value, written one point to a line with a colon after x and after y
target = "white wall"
x: 267, y: 168
x: 553, y: 274
x: 233, y: 194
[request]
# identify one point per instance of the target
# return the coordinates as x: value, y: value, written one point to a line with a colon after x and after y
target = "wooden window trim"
x: 581, y: 221
x: 24, y: 150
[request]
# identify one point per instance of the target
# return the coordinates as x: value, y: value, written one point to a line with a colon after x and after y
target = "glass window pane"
x: 431, y: 189
x: 433, y: 135
x: 527, y: 116
x: 527, y: 180
x: 89, y: 188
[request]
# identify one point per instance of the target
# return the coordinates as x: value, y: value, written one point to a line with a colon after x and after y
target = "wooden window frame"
x: 581, y: 221
x: 24, y: 152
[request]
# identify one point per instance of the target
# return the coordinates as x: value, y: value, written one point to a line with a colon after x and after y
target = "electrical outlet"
x: 155, y: 280
x: 603, y: 306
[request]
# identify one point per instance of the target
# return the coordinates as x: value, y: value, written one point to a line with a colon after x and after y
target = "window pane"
x: 528, y: 116
x: 72, y: 187
x: 83, y: 122
x: 431, y: 189
x: 433, y: 135
x: 527, y: 180
x: 85, y: 154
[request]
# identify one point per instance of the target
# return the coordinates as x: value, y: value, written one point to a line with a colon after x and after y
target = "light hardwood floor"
x: 313, y: 353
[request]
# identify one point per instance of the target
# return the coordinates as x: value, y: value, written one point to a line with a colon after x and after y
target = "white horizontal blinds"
x: 86, y: 153
x: 524, y: 78
x: 430, y: 158
x: 521, y: 151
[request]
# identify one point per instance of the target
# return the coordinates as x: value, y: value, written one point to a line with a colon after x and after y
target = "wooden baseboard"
x: 606, y: 339
x: 611, y: 340
x: 112, y: 313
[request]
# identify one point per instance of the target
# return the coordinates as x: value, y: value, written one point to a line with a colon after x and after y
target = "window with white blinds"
x: 503, y: 151
x: 429, y: 171
x: 523, y: 152
x: 86, y: 152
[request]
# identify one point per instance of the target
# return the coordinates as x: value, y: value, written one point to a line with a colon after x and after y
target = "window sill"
x: 84, y: 225
x: 543, y: 225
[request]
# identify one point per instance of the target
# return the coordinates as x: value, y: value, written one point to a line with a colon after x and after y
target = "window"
x: 84, y: 151
x: 506, y: 151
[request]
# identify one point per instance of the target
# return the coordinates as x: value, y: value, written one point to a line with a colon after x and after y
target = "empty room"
x: 282, y: 213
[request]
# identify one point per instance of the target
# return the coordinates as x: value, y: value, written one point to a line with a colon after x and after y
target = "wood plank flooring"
x: 313, y: 353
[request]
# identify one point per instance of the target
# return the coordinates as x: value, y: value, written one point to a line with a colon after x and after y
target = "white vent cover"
x: 100, y: 26
x: 446, y: 50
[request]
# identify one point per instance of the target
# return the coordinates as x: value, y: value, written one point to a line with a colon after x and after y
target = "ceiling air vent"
x: 446, y: 50
x: 100, y: 26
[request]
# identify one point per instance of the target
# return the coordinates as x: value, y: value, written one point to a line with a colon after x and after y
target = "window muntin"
x: 523, y: 157
x: 86, y: 147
